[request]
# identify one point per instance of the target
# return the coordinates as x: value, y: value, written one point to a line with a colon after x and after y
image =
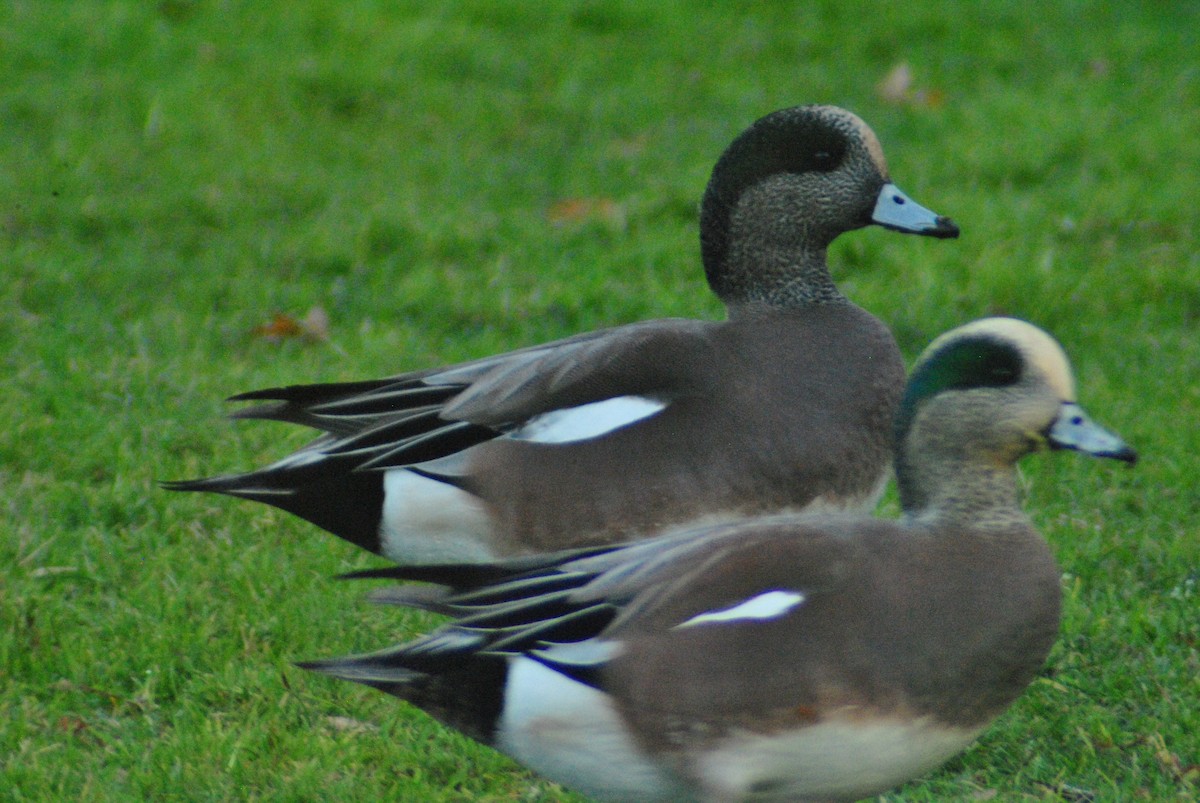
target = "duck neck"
x: 950, y: 487
x: 764, y: 275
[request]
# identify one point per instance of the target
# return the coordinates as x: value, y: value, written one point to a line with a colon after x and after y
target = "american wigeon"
x: 627, y: 432
x: 781, y: 657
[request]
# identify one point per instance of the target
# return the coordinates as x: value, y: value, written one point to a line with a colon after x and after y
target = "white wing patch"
x: 587, y: 420
x: 768, y: 605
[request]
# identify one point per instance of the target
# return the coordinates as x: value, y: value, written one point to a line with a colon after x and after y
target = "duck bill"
x: 1074, y: 430
x: 896, y: 211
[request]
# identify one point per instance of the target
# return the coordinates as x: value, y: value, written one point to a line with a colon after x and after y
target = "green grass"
x: 175, y: 173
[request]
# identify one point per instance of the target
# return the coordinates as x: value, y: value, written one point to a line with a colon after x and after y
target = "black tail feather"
x: 348, y: 504
x: 468, y: 697
x: 336, y: 482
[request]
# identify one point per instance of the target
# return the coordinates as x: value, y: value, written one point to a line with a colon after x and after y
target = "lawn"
x: 182, y: 183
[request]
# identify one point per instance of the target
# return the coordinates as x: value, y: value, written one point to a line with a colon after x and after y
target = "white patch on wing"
x: 768, y: 605
x: 836, y: 759
x: 573, y: 734
x: 426, y: 521
x: 587, y: 420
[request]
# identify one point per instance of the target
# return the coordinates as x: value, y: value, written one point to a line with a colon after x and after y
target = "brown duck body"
x: 756, y: 426
x: 910, y: 642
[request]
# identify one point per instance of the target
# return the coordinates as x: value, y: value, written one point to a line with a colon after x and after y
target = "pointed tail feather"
x: 340, y: 408
x: 347, y: 504
x: 468, y: 696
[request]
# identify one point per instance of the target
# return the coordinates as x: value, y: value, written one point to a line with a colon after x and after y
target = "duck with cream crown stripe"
x: 783, y: 657
x: 628, y: 432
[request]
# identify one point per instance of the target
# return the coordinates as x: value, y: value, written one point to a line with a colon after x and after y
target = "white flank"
x: 587, y: 420
x: 835, y: 760
x: 768, y: 605
x: 571, y: 733
x: 425, y: 521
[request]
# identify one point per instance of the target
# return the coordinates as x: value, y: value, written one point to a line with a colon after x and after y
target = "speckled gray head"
x: 893, y: 208
x: 788, y: 186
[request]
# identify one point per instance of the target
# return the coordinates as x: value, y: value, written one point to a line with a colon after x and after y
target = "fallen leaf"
x: 281, y: 326
x: 896, y: 85
x: 581, y: 210
x: 929, y: 98
x: 314, y: 326
x: 898, y: 88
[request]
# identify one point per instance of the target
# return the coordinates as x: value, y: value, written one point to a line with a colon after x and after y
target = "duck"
x: 783, y: 657
x: 630, y: 431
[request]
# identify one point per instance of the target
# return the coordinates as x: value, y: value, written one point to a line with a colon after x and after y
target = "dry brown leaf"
x: 315, y: 326
x: 581, y: 210
x: 929, y: 98
x: 281, y: 326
